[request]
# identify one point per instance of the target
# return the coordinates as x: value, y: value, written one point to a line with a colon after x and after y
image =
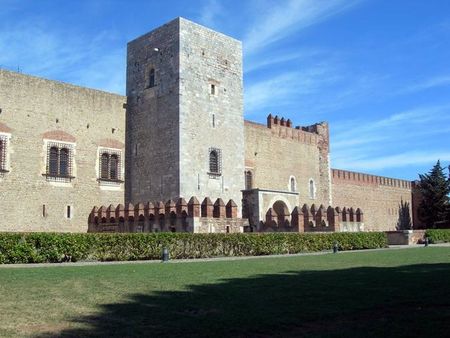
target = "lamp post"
x: 165, y: 255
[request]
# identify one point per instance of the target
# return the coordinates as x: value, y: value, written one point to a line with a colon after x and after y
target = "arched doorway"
x: 283, y: 214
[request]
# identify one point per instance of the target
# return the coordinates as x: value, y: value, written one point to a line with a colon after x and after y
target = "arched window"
x: 64, y: 162
x: 53, y: 161
x: 214, y: 162
x: 248, y: 180
x: 312, y: 189
x: 293, y: 184
x: 114, y: 167
x: 151, y: 78
x: 104, y: 166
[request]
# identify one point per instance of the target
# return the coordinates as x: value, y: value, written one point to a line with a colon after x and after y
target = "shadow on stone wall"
x: 379, y: 302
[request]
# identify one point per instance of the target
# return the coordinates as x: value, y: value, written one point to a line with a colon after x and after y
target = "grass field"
x: 372, y: 294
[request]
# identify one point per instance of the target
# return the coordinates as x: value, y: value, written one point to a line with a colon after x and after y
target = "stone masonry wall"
x: 277, y: 152
x: 153, y: 115
x: 211, y: 112
x: 34, y: 110
x: 379, y: 197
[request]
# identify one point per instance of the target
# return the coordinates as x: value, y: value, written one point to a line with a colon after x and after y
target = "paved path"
x: 216, y: 259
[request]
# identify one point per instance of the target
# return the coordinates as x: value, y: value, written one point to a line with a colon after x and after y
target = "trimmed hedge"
x: 59, y: 247
x: 438, y: 235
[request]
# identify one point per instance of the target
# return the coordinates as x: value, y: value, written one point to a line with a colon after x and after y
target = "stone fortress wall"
x: 378, y: 196
x: 184, y: 98
x: 36, y: 112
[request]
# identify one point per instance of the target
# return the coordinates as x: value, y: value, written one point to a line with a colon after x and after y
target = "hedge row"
x: 58, y: 247
x: 438, y: 235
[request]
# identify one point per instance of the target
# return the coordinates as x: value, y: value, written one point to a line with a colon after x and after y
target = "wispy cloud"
x: 438, y: 81
x: 210, y: 12
x: 378, y: 144
x: 289, y: 17
x: 394, y: 161
x: 286, y: 87
x: 41, y: 51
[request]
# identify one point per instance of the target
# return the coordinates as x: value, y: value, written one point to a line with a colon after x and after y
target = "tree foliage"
x: 434, y: 188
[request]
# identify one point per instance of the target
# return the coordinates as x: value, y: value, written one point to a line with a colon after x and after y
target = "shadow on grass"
x: 409, y: 301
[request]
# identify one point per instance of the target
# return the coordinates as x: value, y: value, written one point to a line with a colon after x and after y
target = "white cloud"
x: 286, y: 87
x: 374, y: 145
x: 38, y: 50
x: 288, y: 17
x: 393, y: 161
x: 438, y: 81
x: 210, y: 12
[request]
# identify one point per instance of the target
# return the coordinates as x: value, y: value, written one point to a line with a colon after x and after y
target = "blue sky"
x: 378, y: 71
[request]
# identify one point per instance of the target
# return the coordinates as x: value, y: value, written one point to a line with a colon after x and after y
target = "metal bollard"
x: 165, y: 255
x: 335, y: 247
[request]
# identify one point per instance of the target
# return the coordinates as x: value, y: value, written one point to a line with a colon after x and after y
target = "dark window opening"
x: 69, y: 213
x: 213, y: 89
x: 2, y: 154
x: 215, y: 161
x: 53, y: 161
x: 109, y: 166
x: 151, y: 78
x: 59, y: 161
x: 104, y: 166
x: 113, y: 167
x: 64, y: 162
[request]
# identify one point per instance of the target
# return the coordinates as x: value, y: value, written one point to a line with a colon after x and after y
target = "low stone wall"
x: 405, y: 237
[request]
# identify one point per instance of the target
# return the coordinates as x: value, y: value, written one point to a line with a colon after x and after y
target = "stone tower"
x: 185, y: 128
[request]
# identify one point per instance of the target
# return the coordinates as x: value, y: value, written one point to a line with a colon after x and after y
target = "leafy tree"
x: 434, y: 188
x: 404, y: 217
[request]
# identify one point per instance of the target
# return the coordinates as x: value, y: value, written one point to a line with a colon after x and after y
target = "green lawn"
x: 380, y: 293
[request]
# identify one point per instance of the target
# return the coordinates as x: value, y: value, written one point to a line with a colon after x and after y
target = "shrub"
x: 438, y: 235
x: 59, y: 247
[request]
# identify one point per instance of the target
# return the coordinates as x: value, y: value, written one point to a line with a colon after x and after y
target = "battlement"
x: 316, y: 219
x: 171, y: 215
x: 339, y: 175
x: 314, y: 134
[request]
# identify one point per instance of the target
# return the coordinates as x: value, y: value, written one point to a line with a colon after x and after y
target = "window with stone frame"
x: 59, y: 165
x: 110, y: 165
x: 3, y: 153
x: 215, y: 161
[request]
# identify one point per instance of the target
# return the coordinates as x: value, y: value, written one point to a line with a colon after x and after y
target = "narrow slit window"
x: 69, y: 212
x: 213, y: 89
x: 312, y: 189
x: 151, y: 78
x: 293, y: 185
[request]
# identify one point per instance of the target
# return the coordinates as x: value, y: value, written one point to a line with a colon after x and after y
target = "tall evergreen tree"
x: 434, y: 188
